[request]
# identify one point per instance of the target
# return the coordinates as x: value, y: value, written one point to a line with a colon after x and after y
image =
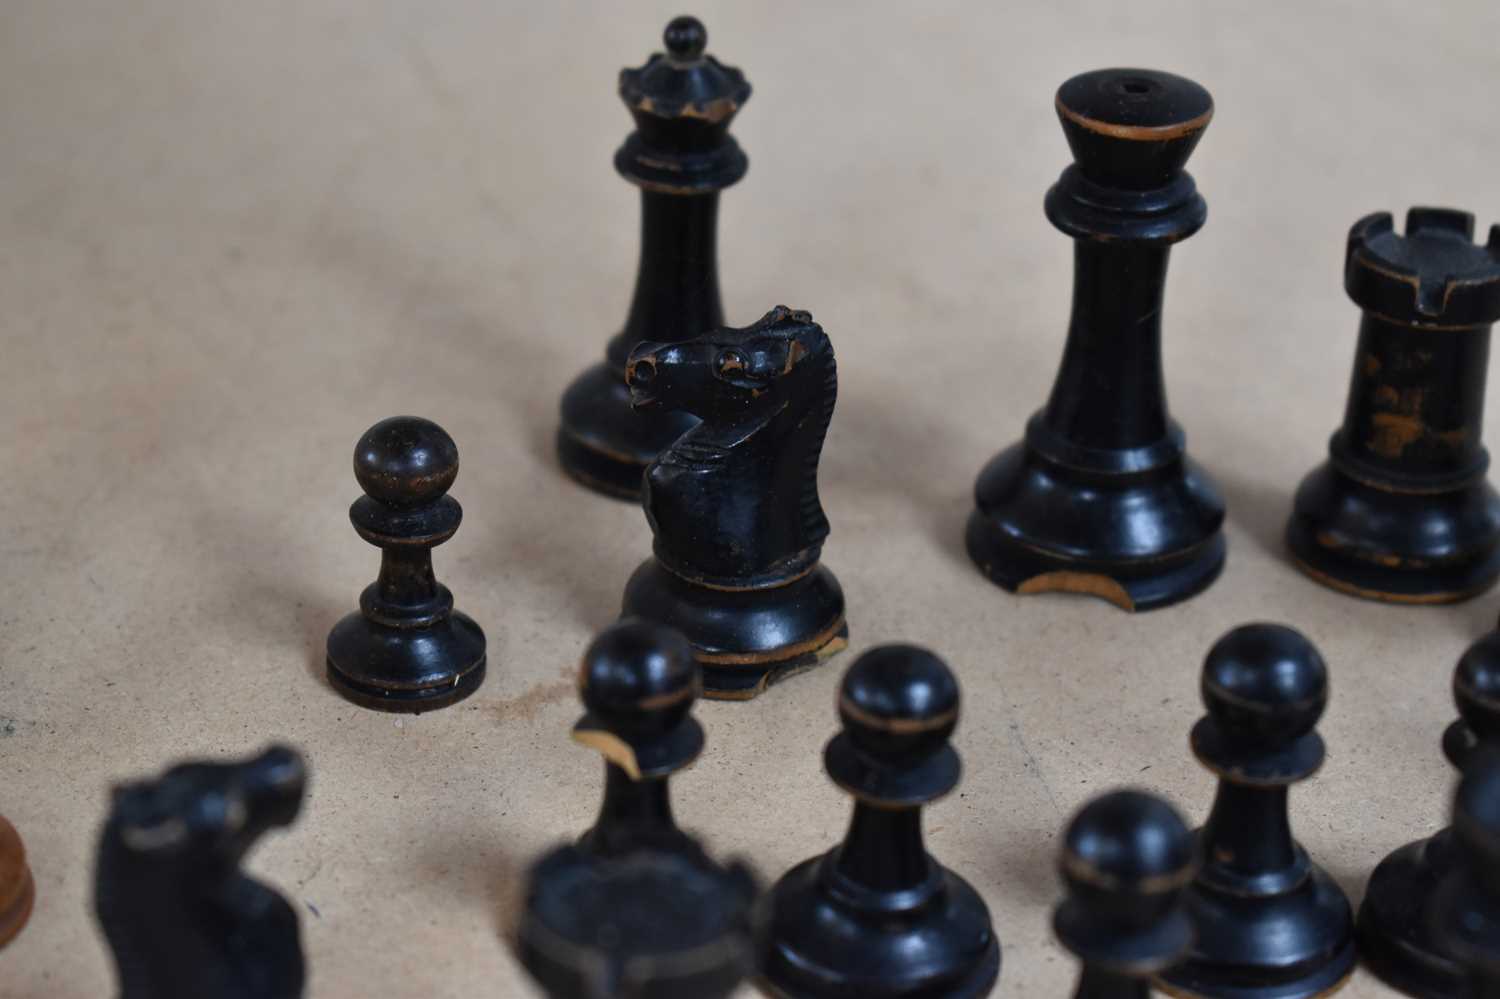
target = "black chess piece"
x: 1126, y: 860
x: 733, y: 503
x: 1402, y: 510
x: 406, y: 649
x: 1100, y: 497
x: 182, y: 920
x: 1271, y: 924
x: 1395, y: 939
x: 637, y: 909
x: 638, y: 681
x: 680, y: 156
x: 17, y: 887
x: 878, y: 916
x: 1463, y: 914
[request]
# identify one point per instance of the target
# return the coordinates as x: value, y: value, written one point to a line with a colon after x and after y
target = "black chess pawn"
x: 1463, y: 914
x: 1395, y: 940
x: 637, y: 909
x: 733, y: 503
x: 1271, y: 924
x: 1100, y: 497
x: 406, y: 649
x: 1126, y: 860
x: 680, y: 156
x: 1402, y: 510
x: 17, y: 887
x: 638, y: 681
x: 181, y: 918
x: 878, y: 916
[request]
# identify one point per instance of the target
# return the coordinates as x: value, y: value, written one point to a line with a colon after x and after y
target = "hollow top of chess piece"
x: 638, y: 681
x: 899, y: 706
x: 1132, y: 128
x: 1126, y: 859
x: 405, y: 461
x: 1433, y: 274
x: 1265, y: 686
x: 1476, y: 691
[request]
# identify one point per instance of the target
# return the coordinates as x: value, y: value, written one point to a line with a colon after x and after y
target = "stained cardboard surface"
x: 234, y: 235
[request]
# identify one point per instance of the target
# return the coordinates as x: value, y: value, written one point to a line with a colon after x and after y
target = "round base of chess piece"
x: 1138, y: 540
x: 602, y: 443
x: 1395, y: 940
x: 1296, y: 945
x: 654, y: 924
x: 833, y: 938
x: 406, y: 669
x: 17, y: 888
x: 745, y: 639
x: 1402, y: 547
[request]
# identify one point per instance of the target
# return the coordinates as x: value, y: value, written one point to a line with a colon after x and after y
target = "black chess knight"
x: 733, y: 503
x: 680, y: 156
x: 182, y: 919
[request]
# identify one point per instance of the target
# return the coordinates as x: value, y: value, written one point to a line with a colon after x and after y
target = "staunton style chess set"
x: 717, y: 432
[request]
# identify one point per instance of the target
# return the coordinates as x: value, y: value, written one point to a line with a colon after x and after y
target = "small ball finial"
x: 1265, y: 683
x: 639, y: 677
x: 899, y: 701
x: 1129, y: 842
x: 685, y: 39
x: 405, y: 461
x: 1476, y: 687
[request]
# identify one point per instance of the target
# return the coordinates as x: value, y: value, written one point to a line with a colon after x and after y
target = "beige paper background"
x: 232, y: 235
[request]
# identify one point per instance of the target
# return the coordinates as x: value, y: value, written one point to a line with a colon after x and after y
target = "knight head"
x: 728, y: 373
x: 208, y: 813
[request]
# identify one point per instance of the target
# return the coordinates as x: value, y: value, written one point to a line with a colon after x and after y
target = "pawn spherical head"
x: 639, y: 677
x: 685, y: 39
x: 405, y: 461
x: 1128, y: 843
x: 1265, y: 684
x: 899, y: 701
x: 1476, y: 687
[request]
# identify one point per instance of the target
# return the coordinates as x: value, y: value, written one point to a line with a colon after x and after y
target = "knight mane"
x: 814, y: 520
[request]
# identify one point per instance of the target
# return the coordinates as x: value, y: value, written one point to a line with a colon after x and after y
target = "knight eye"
x: 732, y: 364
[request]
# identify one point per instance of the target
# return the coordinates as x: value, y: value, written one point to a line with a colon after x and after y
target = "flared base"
x: 1399, y: 547
x: 820, y: 942
x: 1296, y: 945
x: 1394, y: 940
x: 603, y: 443
x: 1139, y: 541
x: 406, y: 669
x: 745, y: 640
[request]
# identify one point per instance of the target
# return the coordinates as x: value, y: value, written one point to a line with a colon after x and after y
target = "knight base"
x: 745, y: 640
x: 604, y: 444
x: 1413, y: 548
x: 406, y: 670
x: 1040, y: 528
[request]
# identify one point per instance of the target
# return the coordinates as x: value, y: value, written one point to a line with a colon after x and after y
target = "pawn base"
x: 1138, y: 541
x: 1297, y: 945
x: 406, y: 669
x: 745, y: 640
x: 1414, y: 548
x: 1394, y: 940
x: 818, y: 945
x: 606, y: 445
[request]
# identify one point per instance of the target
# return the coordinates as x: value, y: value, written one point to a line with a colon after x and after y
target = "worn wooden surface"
x: 233, y: 235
